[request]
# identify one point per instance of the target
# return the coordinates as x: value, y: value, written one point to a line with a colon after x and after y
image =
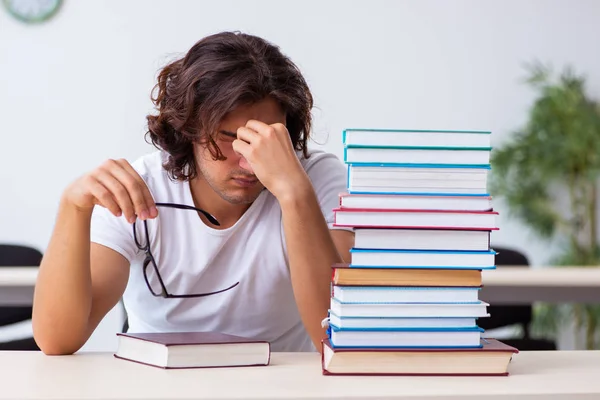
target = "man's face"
x: 233, y: 179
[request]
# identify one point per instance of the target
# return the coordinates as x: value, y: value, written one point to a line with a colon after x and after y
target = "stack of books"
x: 408, y: 303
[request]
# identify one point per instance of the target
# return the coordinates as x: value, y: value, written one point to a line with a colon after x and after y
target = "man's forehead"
x: 267, y: 111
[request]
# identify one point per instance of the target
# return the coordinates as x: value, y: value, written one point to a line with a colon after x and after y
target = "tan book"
x: 492, y: 358
x: 344, y: 275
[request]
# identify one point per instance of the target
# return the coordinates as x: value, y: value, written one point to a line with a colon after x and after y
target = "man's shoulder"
x: 326, y: 171
x: 150, y: 165
x: 150, y: 168
x: 319, y: 158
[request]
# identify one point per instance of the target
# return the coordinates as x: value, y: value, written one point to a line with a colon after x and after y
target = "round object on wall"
x: 32, y: 11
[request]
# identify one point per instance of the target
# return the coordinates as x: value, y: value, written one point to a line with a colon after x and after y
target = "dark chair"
x: 17, y: 256
x: 508, y: 315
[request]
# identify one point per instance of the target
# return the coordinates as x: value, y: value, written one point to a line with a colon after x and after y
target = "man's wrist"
x: 295, y: 193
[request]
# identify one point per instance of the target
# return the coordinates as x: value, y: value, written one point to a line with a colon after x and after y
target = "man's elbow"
x: 53, y: 344
x: 55, y: 348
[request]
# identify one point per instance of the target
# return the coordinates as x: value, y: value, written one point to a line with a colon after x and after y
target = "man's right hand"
x: 116, y: 186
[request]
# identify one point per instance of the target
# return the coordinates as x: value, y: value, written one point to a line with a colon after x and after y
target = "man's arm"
x: 312, y: 249
x: 80, y: 281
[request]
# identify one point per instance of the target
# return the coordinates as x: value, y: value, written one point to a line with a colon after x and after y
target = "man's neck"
x: 208, y: 200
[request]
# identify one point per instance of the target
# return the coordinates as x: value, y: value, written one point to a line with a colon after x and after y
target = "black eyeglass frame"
x: 149, y: 259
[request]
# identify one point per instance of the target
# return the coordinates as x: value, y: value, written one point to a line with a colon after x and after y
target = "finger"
x: 245, y: 151
x: 119, y: 192
x: 260, y: 127
x: 104, y: 197
x: 135, y: 187
x: 148, y: 199
x: 242, y: 148
x: 248, y: 135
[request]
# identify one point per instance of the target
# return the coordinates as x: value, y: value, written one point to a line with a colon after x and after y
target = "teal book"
x: 357, y: 137
x: 418, y: 156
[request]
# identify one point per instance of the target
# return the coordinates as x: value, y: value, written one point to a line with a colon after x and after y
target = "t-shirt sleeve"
x: 113, y: 232
x: 329, y: 176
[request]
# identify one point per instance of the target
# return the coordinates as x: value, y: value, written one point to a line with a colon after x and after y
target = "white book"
x: 358, y: 172
x: 415, y: 202
x: 403, y: 310
x: 416, y: 156
x: 415, y: 219
x: 385, y: 258
x: 417, y: 137
x: 417, y: 180
x: 419, y: 183
x: 406, y: 338
x: 415, y: 322
x: 422, y: 239
x: 405, y: 294
x: 417, y: 190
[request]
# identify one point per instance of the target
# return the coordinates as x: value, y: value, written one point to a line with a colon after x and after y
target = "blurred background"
x: 75, y: 90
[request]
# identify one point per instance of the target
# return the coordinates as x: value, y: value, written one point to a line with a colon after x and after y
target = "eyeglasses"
x: 149, y: 259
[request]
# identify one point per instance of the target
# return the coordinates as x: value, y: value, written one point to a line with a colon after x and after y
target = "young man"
x: 228, y: 227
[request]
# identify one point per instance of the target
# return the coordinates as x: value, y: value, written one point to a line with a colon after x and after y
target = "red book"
x: 414, y: 202
x: 172, y: 350
x: 492, y: 359
x: 423, y: 219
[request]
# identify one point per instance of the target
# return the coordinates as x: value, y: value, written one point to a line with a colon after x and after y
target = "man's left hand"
x: 269, y: 151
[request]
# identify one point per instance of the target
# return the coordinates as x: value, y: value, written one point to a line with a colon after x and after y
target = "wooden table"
x: 503, y: 285
x: 568, y: 375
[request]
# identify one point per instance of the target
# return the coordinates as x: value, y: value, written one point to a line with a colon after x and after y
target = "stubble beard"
x: 248, y: 198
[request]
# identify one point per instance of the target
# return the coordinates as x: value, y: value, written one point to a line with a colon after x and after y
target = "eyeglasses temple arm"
x: 209, y: 217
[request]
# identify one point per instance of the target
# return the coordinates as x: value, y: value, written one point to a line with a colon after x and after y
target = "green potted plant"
x: 547, y: 173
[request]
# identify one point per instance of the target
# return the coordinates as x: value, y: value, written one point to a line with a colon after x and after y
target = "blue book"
x: 376, y: 322
x: 439, y: 259
x: 406, y: 338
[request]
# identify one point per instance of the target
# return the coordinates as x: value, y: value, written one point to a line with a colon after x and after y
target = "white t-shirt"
x: 195, y: 258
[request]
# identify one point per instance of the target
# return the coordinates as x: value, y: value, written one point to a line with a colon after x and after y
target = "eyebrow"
x: 230, y: 134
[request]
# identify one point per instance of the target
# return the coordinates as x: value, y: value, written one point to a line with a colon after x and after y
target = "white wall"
x: 75, y: 91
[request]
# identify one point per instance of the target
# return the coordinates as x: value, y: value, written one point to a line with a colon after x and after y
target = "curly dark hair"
x: 219, y: 73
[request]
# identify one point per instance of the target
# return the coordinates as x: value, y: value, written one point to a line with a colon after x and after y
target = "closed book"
x: 408, y: 322
x: 385, y: 258
x: 417, y: 155
x: 491, y: 359
x: 408, y: 294
x: 422, y: 239
x: 346, y: 275
x: 179, y: 350
x: 415, y: 137
x: 402, y: 310
x: 405, y: 337
x: 428, y: 219
x: 426, y: 179
x: 415, y: 202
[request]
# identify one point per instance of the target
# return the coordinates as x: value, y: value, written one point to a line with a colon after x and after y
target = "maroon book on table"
x: 197, y: 340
